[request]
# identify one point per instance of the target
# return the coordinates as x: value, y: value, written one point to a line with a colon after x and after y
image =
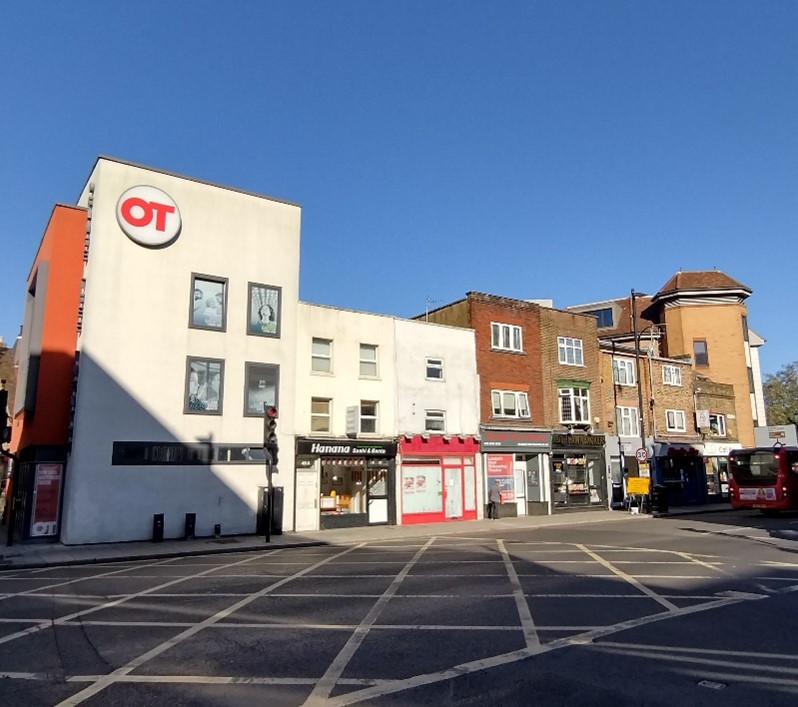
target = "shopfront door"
x: 377, y: 496
x: 307, y: 499
x: 454, y: 493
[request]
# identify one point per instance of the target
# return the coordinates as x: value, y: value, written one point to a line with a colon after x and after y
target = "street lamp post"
x: 637, y: 365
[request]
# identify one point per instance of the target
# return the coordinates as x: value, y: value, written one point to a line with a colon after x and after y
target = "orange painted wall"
x: 62, y: 246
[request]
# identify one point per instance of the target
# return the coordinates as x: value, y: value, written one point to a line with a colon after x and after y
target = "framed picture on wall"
x: 264, y: 310
x: 204, y: 386
x: 208, y: 302
x: 262, y: 381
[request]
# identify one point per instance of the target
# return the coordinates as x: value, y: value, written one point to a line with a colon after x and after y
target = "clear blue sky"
x: 570, y: 150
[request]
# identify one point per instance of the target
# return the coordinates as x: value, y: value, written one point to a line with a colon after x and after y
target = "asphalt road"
x: 650, y: 611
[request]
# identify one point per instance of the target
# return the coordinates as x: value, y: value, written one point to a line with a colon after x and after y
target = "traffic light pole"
x: 269, y: 495
x: 270, y: 454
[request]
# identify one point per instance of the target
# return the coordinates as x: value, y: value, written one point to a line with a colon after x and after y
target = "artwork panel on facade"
x: 264, y: 310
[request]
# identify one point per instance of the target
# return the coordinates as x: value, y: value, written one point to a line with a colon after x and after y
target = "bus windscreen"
x: 755, y: 467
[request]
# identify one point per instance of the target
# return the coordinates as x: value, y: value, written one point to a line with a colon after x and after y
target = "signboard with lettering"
x: 345, y: 448
x: 46, y: 500
x: 514, y: 440
x: 636, y: 484
x: 500, y: 470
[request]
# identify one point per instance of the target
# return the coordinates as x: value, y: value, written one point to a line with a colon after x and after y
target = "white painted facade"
x: 343, y: 385
x: 134, y: 345
x: 457, y: 394
x: 400, y: 388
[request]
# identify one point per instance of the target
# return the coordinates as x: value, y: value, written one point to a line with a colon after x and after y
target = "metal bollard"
x: 191, y: 526
x: 157, y: 528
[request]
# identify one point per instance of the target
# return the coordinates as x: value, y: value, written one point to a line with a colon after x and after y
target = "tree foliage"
x: 781, y: 395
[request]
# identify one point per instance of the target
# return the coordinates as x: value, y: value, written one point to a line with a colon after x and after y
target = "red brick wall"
x: 502, y: 369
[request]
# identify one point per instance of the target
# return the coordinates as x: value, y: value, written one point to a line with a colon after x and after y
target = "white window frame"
x: 520, y: 403
x: 671, y: 375
x: 321, y: 416
x: 577, y: 400
x: 506, y: 337
x: 628, y: 421
x: 324, y: 360
x: 432, y: 365
x: 435, y: 421
x: 568, y: 347
x: 368, y: 365
x: 720, y: 419
x: 623, y: 371
x: 369, y: 420
x: 675, y: 421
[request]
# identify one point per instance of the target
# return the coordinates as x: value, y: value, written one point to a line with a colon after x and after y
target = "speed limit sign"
x: 641, y: 454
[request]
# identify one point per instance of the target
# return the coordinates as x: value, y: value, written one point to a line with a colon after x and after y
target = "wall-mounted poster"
x: 261, y: 388
x: 264, y: 311
x: 204, y: 385
x: 209, y: 302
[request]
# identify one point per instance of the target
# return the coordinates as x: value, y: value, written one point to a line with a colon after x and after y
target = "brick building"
x: 541, y: 432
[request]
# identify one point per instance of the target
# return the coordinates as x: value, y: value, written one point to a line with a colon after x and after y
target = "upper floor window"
x: 603, y: 317
x: 570, y: 351
x: 321, y: 355
x: 675, y: 421
x: 320, y: 414
x: 368, y: 416
x: 209, y: 302
x: 368, y: 360
x: 717, y: 424
x: 509, y: 403
x: 574, y: 405
x: 628, y: 421
x: 623, y: 371
x: 435, y: 369
x: 671, y: 375
x: 700, y: 352
x: 506, y: 337
x: 434, y: 421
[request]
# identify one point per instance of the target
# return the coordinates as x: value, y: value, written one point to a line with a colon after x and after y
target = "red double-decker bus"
x: 765, y: 478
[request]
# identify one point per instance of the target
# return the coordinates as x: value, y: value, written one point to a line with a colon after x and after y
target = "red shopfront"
x: 438, y: 478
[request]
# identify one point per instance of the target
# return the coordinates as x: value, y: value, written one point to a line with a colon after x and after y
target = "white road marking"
x: 395, y: 686
x: 642, y: 587
x: 43, y: 624
x: 327, y: 682
x: 527, y: 623
x: 109, y: 679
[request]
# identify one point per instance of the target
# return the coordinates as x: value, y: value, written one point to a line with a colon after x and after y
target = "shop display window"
x: 343, y: 488
x: 422, y: 489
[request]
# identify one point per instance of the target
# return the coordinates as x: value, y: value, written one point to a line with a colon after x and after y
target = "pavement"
x: 39, y: 554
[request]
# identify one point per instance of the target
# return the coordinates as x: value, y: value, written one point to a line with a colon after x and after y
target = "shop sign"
x: 577, y: 440
x: 345, y: 448
x: 46, y: 500
x: 148, y: 216
x: 515, y: 440
x: 638, y: 484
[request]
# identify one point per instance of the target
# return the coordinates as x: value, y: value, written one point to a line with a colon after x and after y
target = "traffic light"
x: 270, y: 431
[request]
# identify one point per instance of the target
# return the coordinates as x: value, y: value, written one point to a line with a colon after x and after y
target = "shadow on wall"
x: 126, y: 465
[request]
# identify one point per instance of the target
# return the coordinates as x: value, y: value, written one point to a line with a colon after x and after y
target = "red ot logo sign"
x: 148, y: 216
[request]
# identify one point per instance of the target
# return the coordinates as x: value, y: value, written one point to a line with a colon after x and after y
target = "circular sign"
x: 148, y: 216
x: 641, y: 454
